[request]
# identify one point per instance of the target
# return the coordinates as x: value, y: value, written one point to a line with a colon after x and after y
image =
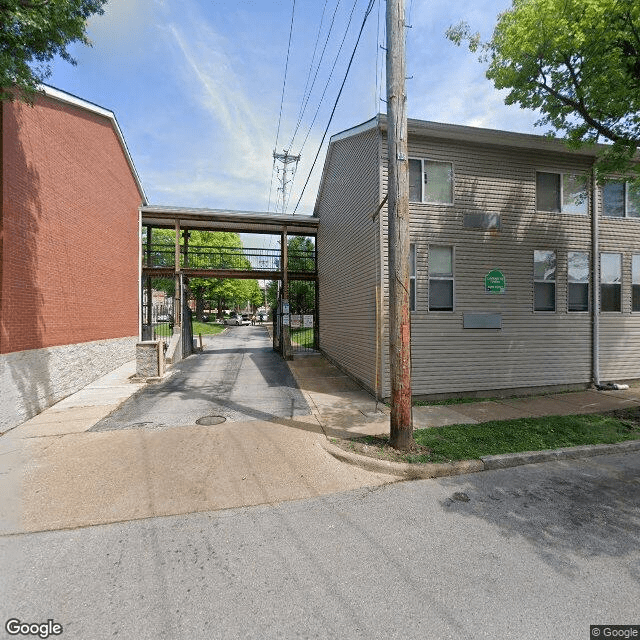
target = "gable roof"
x: 460, y: 133
x: 68, y: 98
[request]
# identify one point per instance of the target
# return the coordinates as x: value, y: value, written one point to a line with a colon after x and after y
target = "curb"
x: 404, y: 469
x: 486, y: 463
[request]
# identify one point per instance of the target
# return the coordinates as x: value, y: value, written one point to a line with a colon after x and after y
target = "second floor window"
x: 620, y: 200
x: 430, y: 181
x: 562, y: 192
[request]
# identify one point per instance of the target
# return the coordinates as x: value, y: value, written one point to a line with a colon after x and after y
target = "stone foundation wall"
x: 35, y: 379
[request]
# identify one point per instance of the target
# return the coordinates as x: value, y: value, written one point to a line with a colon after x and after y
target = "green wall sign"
x: 494, y: 282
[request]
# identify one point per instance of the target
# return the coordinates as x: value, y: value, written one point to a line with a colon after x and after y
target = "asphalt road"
x: 540, y: 551
x: 238, y: 377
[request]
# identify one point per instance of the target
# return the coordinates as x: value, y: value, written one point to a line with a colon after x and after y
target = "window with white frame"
x: 562, y: 192
x: 430, y: 181
x: 412, y: 277
x: 611, y: 282
x: 544, y: 280
x: 620, y: 199
x: 635, y: 282
x: 578, y: 281
x: 440, y: 278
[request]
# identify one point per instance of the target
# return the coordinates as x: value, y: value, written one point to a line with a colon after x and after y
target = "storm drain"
x: 209, y: 421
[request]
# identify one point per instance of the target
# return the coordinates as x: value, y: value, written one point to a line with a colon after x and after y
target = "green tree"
x: 207, y: 249
x: 578, y: 63
x: 32, y: 33
x: 302, y: 293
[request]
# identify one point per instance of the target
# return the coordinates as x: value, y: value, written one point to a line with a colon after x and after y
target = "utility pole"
x: 286, y: 159
x: 401, y: 431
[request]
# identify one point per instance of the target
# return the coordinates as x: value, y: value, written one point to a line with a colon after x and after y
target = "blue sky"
x: 196, y: 86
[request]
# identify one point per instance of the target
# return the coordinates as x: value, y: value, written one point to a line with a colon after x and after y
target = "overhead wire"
x: 335, y: 104
x: 284, y: 84
x: 326, y: 86
x: 306, y: 95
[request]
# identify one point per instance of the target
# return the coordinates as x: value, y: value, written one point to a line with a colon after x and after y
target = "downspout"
x: 595, y: 250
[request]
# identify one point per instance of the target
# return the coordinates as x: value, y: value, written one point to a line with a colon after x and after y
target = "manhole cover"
x: 209, y: 421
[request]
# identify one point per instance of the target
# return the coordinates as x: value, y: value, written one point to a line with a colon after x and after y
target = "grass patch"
x: 302, y: 336
x: 206, y: 328
x: 472, y: 441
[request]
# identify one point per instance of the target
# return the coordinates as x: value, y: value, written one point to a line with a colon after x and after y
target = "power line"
x: 305, y: 95
x: 326, y: 86
x: 284, y: 84
x: 355, y: 48
x: 375, y: 97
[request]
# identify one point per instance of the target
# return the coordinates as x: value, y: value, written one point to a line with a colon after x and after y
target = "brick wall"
x: 69, y: 249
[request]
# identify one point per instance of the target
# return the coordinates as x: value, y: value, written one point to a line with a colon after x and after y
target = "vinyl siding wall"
x: 347, y: 255
x: 620, y: 332
x: 533, y: 349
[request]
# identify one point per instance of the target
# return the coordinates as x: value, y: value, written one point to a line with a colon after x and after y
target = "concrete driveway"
x: 237, y: 378
x: 88, y: 461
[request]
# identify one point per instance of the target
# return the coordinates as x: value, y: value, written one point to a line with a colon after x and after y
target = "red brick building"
x: 69, y: 250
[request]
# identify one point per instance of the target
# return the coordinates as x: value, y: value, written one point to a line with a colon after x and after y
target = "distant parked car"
x: 238, y: 320
x: 205, y: 318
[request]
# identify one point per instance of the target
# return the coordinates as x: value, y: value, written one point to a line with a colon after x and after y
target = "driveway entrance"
x: 237, y: 378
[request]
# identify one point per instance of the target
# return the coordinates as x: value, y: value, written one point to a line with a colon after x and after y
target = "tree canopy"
x: 301, y: 294
x: 32, y: 33
x: 214, y: 249
x: 577, y: 62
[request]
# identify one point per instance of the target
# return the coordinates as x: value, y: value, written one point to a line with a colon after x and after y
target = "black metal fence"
x: 303, y: 316
x: 187, y: 330
x: 229, y: 258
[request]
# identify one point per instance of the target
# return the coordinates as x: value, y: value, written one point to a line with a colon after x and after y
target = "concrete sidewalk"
x: 57, y: 474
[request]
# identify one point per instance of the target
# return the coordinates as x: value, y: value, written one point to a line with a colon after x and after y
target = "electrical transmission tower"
x: 286, y: 160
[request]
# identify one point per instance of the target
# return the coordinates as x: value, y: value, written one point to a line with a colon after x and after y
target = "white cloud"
x: 119, y: 30
x: 227, y: 160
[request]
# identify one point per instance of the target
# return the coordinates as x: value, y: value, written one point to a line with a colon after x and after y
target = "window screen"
x: 415, y: 180
x: 544, y: 280
x: 635, y: 285
x: 578, y: 281
x: 438, y: 182
x: 611, y: 282
x: 613, y: 199
x: 548, y: 191
x: 412, y: 277
x: 440, y: 278
x: 574, y: 194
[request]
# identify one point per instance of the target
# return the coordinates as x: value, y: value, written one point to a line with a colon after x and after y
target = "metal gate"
x: 299, y: 313
x: 187, y: 328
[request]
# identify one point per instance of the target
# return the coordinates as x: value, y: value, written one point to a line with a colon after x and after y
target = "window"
x: 578, y: 281
x: 562, y: 192
x: 635, y: 283
x: 412, y: 277
x: 544, y: 280
x: 440, y: 278
x: 430, y: 181
x: 610, y: 282
x: 620, y: 199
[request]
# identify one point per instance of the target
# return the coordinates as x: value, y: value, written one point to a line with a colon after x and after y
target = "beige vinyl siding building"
x: 482, y: 201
